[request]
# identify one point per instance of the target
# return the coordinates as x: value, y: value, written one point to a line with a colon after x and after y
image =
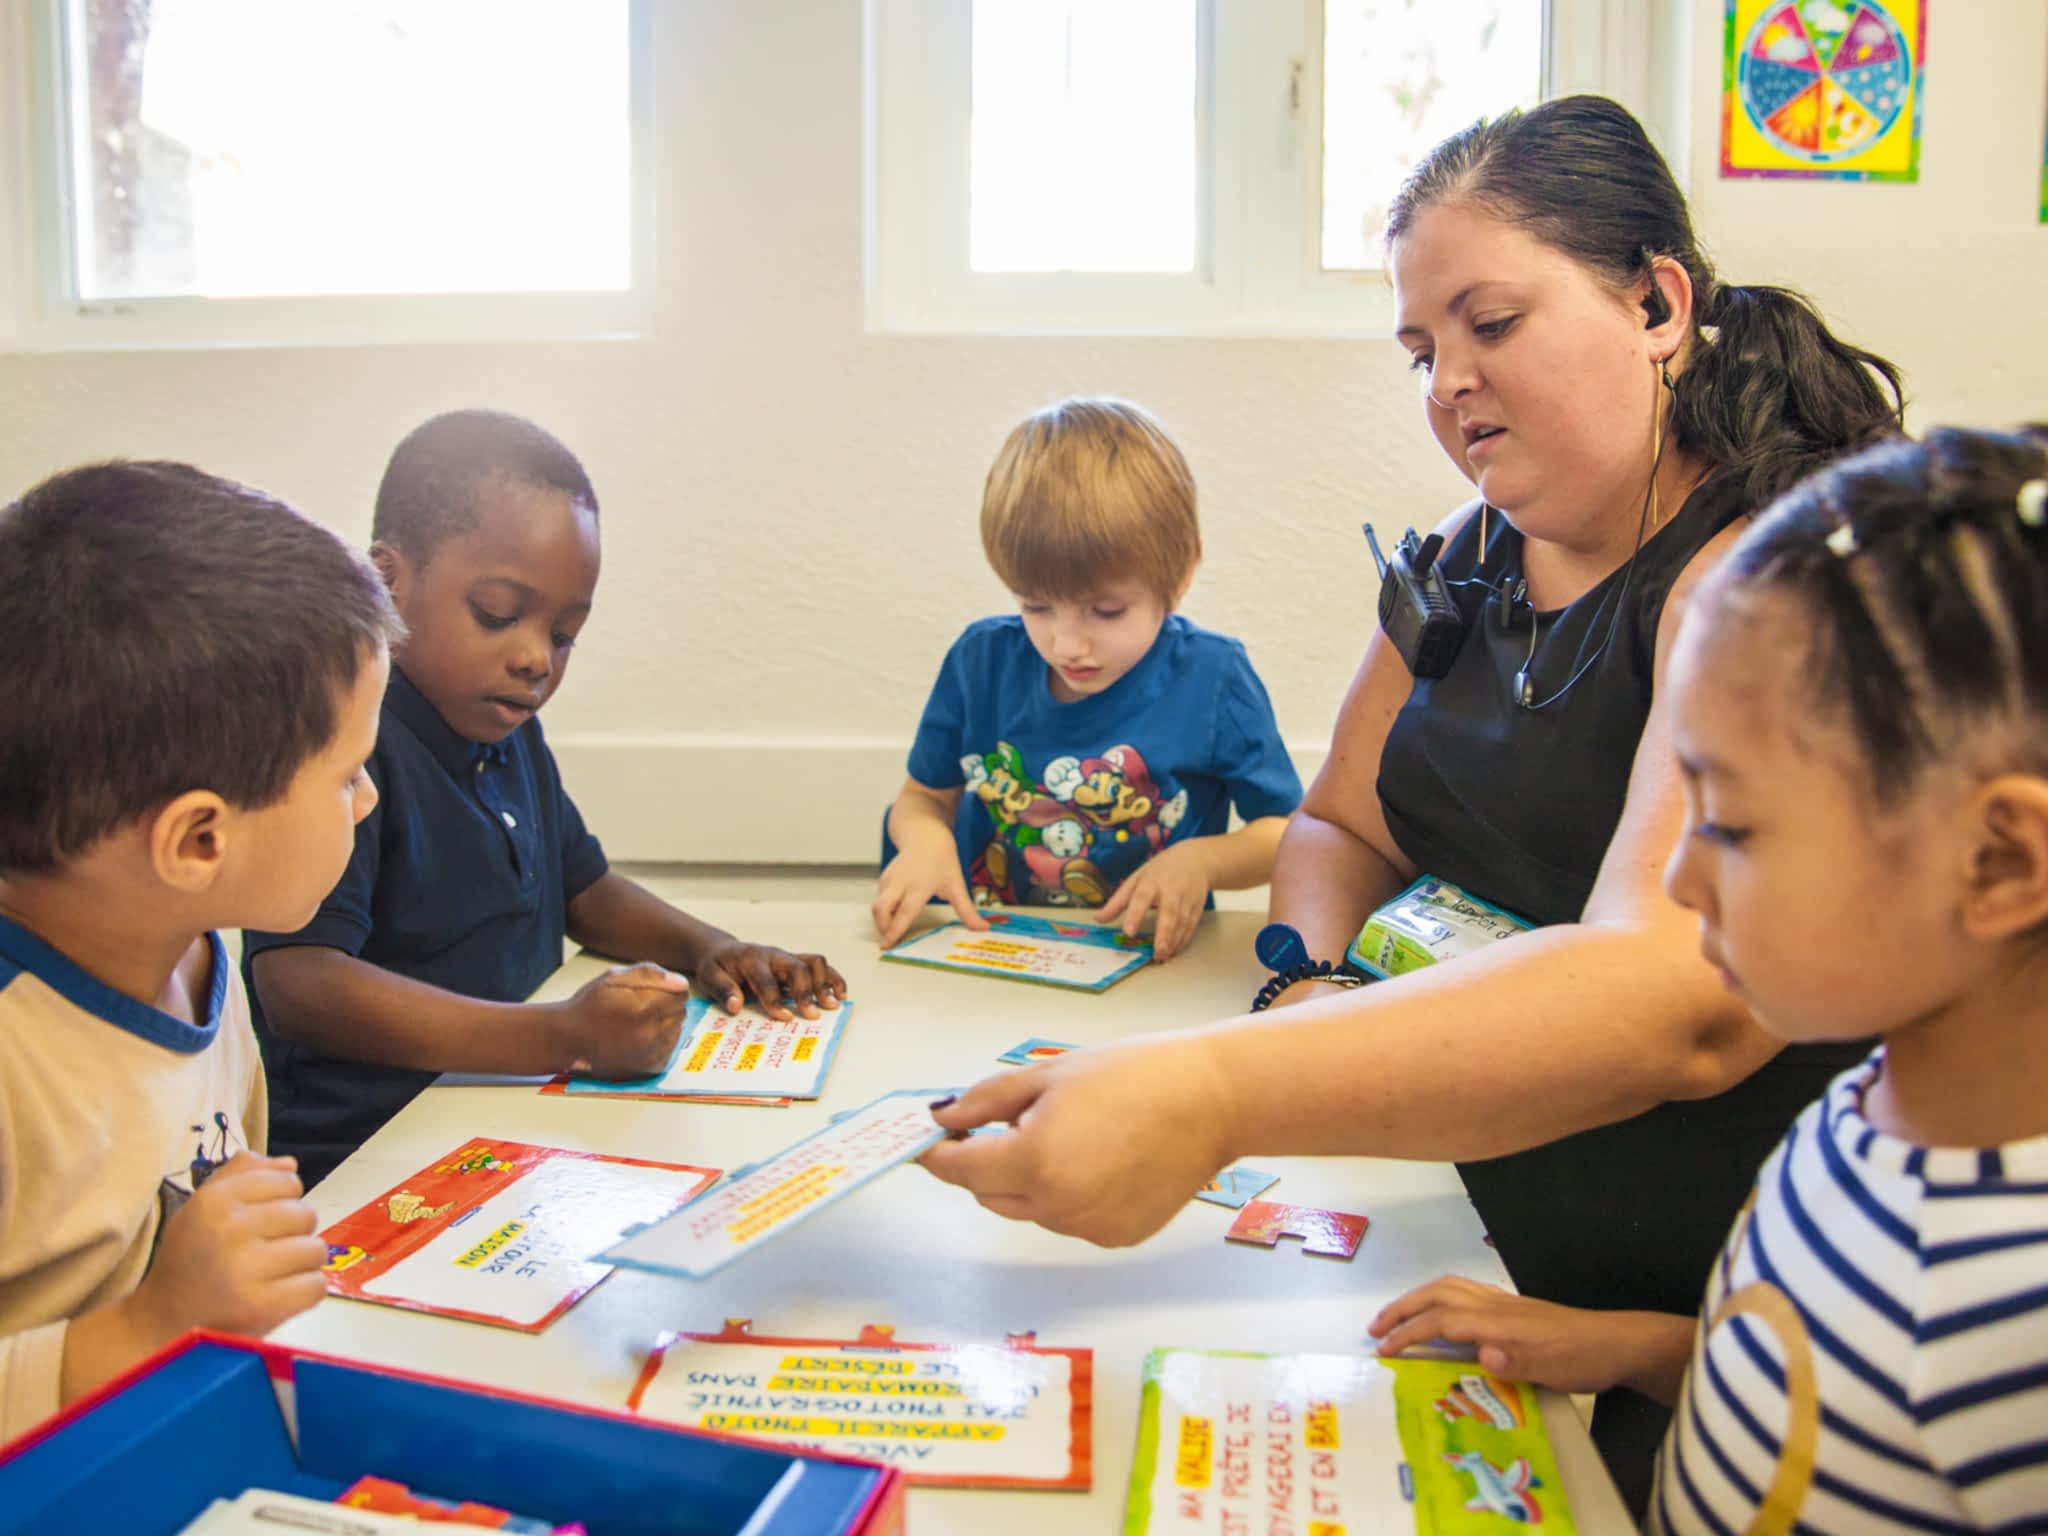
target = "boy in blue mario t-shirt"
x: 1088, y: 750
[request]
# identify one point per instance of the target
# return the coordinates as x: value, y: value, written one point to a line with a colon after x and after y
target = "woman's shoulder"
x: 1713, y: 518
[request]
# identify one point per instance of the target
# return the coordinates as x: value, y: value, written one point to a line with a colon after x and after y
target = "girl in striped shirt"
x: 1860, y: 705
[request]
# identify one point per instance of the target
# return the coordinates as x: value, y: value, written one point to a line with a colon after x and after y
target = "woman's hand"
x: 1109, y: 1142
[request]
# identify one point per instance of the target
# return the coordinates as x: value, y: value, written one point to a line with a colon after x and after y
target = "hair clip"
x: 2032, y: 503
x: 1843, y: 542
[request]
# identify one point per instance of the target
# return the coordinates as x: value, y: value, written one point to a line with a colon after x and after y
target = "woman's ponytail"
x: 1770, y: 393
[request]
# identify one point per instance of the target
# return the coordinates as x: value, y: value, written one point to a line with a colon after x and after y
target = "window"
x: 1083, y: 136
x: 244, y: 170
x: 1396, y: 79
x: 1186, y: 165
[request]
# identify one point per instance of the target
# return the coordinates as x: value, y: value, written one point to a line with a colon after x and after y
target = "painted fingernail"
x: 942, y: 1103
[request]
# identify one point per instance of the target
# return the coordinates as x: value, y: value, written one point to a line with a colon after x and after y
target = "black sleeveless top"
x: 1518, y: 806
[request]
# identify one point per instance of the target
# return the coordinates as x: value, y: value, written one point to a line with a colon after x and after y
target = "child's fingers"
x: 799, y: 990
x: 259, y: 1182
x: 252, y: 1162
x: 1405, y: 1306
x: 1425, y: 1327
x: 1118, y: 900
x: 834, y: 980
x: 757, y: 969
x: 646, y: 973
x: 963, y: 905
x: 1170, y: 932
x: 719, y: 984
x: 892, y: 911
x: 826, y: 984
x: 289, y: 1256
x: 277, y: 1220
x: 286, y: 1297
x: 1143, y: 898
x: 1188, y: 919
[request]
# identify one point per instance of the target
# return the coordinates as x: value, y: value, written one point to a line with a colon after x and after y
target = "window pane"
x: 240, y: 148
x: 1083, y: 148
x: 1399, y: 76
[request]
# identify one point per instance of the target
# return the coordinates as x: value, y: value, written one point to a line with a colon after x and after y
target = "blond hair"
x: 1086, y: 492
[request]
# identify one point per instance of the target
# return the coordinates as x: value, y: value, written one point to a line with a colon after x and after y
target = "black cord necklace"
x: 1525, y: 682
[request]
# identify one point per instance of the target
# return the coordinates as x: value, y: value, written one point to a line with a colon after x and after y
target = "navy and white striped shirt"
x: 1873, y: 1353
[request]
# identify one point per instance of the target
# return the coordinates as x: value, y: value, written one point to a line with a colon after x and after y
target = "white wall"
x: 790, y: 504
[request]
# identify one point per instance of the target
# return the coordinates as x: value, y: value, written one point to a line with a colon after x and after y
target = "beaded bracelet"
x: 1307, y: 970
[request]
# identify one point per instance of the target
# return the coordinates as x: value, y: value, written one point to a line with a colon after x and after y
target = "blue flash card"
x: 1087, y: 957
x: 1035, y: 1050
x: 1234, y: 1186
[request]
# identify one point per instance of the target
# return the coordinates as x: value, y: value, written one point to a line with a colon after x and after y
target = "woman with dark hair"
x: 1621, y: 411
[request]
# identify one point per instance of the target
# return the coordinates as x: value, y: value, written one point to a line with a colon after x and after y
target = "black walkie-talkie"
x: 1415, y: 610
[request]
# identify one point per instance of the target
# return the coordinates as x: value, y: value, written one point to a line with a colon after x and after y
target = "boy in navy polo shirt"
x: 476, y: 863
x: 1087, y: 751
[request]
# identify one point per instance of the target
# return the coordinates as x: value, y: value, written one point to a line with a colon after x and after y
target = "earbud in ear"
x: 1656, y: 308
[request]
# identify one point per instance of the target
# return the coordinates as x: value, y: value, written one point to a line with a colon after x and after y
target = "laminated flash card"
x: 723, y: 1057
x: 766, y: 1199
x: 1088, y: 957
x: 977, y: 1415
x: 500, y: 1232
x: 1231, y: 1442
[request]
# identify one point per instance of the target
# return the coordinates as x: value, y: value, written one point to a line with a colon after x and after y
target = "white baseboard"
x: 718, y: 800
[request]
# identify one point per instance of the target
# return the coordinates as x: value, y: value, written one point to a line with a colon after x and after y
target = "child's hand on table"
x: 1176, y: 881
x: 912, y: 879
x: 624, y: 1023
x: 241, y: 1255
x: 782, y: 983
x: 1518, y: 1338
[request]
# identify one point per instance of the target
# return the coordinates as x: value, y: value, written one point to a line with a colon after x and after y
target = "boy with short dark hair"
x: 192, y: 689
x: 1088, y: 750
x: 476, y: 863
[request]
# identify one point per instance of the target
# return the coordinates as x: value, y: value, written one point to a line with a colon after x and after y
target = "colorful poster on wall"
x: 1824, y: 88
x: 1009, y: 1415
x: 499, y: 1231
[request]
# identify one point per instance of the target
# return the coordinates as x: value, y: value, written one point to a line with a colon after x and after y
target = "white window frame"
x: 1258, y: 264
x: 41, y: 311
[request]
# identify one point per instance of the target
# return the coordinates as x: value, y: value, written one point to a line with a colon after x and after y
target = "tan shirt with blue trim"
x: 103, y: 1103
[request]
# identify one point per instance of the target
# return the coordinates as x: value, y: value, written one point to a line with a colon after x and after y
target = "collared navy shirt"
x: 461, y: 878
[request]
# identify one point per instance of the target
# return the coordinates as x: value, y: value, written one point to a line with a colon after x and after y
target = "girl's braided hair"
x: 1925, y: 568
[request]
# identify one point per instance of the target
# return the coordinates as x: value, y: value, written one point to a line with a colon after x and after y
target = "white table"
x: 921, y: 1255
